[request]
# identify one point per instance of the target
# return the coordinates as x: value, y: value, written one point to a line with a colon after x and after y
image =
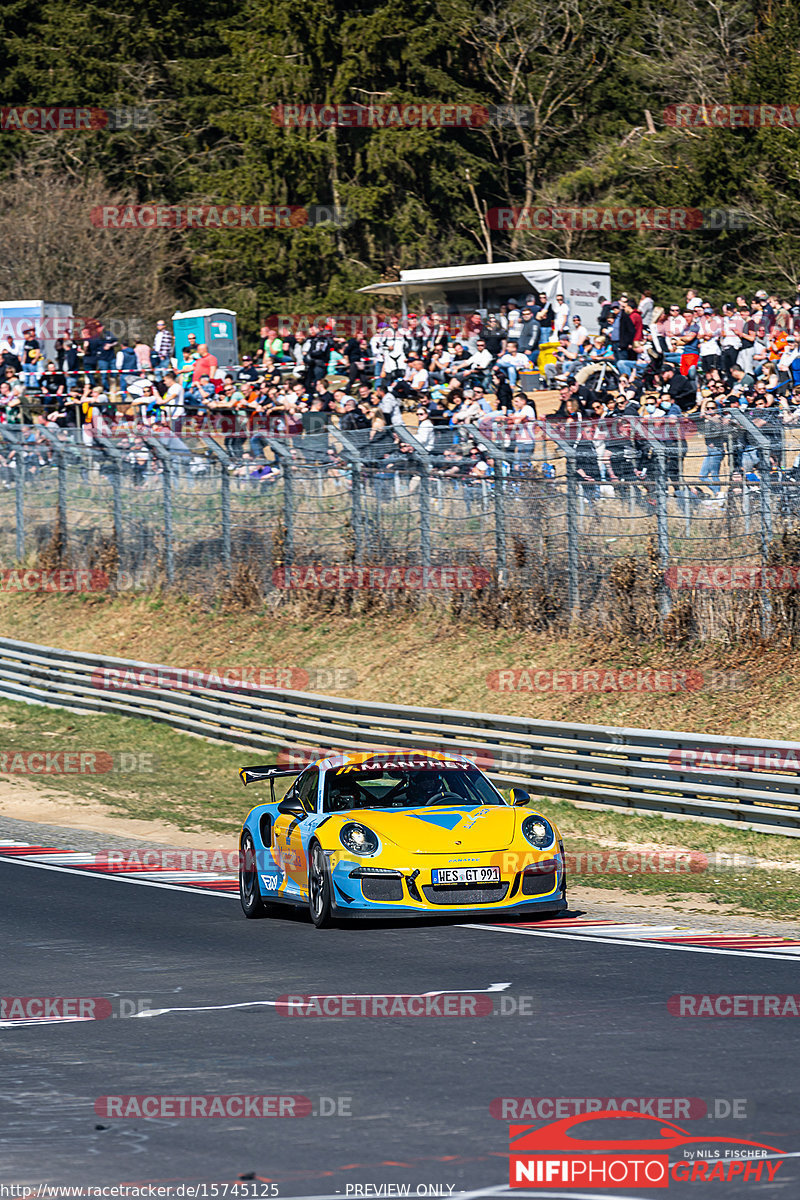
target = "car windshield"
x: 388, y: 786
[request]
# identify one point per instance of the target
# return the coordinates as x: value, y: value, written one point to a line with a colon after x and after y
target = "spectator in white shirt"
x: 416, y: 375
x: 521, y: 421
x: 173, y: 406
x: 514, y: 320
x: 512, y: 362
x: 561, y: 315
x: 578, y: 333
x: 477, y: 368
x: 425, y: 431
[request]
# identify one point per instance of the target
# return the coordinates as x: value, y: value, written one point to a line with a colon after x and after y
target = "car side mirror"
x: 291, y: 807
x: 519, y: 797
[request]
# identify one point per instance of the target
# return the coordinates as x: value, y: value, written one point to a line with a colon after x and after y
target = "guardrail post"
x: 166, y: 462
x: 225, y: 497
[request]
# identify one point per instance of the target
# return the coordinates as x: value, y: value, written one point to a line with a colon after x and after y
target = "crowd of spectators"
x: 678, y: 369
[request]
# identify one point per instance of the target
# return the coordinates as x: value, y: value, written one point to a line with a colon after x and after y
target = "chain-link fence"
x: 562, y: 518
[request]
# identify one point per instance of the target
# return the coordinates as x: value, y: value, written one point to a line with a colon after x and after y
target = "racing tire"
x: 320, y: 891
x: 253, y: 906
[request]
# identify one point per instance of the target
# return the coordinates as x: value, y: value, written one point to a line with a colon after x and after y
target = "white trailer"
x: 485, y: 286
x: 49, y: 321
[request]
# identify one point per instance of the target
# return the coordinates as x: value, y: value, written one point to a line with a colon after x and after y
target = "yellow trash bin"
x: 547, y: 355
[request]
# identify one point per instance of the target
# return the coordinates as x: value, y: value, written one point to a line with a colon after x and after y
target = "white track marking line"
x: 18, y: 1022
x: 114, y: 875
x: 639, y: 944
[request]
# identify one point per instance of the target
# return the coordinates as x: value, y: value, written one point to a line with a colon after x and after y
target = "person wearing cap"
x: 248, y: 372
x: 162, y: 349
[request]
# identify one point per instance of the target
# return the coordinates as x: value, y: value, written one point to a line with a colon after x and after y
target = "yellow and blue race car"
x: 382, y: 835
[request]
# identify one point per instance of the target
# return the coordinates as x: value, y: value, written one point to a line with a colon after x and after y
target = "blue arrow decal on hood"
x: 445, y: 820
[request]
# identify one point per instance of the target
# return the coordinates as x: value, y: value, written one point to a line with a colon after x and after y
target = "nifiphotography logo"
x: 578, y: 1151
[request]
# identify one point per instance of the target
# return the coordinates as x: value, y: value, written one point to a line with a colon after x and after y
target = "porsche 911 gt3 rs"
x: 371, y: 835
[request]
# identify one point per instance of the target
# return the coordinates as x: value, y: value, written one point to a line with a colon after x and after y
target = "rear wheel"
x: 320, y: 901
x: 250, y: 896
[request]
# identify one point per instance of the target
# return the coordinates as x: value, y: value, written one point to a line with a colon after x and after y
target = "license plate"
x: 466, y: 875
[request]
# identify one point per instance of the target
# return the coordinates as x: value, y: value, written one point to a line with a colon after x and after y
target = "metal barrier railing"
x: 656, y: 771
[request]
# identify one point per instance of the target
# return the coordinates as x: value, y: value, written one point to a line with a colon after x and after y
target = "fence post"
x: 502, y: 459
x: 570, y: 455
x: 166, y: 462
x: 60, y: 451
x: 425, y: 464
x: 115, y: 457
x: 225, y: 497
x: 357, y: 493
x: 19, y: 490
x: 662, y: 526
x: 285, y: 456
x: 762, y: 442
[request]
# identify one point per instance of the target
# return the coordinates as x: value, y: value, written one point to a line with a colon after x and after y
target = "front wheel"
x: 319, y: 889
x: 249, y: 895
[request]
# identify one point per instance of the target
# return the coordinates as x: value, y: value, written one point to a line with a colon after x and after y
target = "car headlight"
x: 358, y: 839
x: 538, y: 831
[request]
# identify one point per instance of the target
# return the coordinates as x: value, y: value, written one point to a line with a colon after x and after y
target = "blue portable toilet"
x: 214, y: 327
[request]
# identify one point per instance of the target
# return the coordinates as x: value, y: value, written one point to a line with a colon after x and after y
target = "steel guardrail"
x: 637, y: 769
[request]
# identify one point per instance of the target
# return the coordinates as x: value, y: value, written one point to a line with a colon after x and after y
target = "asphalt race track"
x: 410, y: 1096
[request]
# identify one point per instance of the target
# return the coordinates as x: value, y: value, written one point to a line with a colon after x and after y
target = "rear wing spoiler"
x: 259, y: 774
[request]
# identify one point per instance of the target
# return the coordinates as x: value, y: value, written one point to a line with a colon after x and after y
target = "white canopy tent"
x: 485, y: 286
